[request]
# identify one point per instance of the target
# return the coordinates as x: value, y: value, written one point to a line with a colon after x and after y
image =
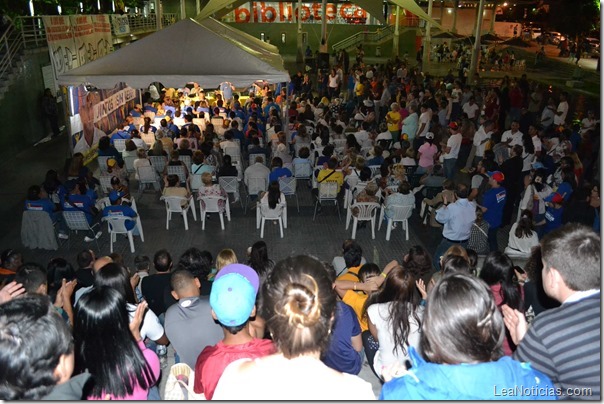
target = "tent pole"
x: 158, y: 14
x: 323, y: 48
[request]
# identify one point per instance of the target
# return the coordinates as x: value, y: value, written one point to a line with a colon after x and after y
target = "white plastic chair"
x: 288, y: 188
x: 139, y: 224
x: 186, y: 160
x: 328, y: 192
x: 147, y: 176
x: 302, y: 171
x: 234, y: 152
x: 173, y: 205
x: 402, y: 213
x: 266, y: 213
x: 117, y: 225
x: 375, y: 170
x: 129, y: 164
x: 76, y: 221
x: 105, y: 181
x: 195, y: 182
x: 102, y: 160
x: 179, y: 171
x: 119, y: 144
x: 211, y: 206
x: 252, y: 158
x: 254, y: 187
x: 231, y: 186
x: 159, y: 163
x: 367, y: 212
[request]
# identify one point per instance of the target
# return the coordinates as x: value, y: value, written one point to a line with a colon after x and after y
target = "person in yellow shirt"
x: 331, y: 174
x: 393, y: 119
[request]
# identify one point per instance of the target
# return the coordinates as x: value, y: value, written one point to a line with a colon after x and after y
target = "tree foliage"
x: 574, y: 17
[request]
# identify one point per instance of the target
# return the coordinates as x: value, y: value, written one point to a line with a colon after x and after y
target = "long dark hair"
x: 399, y: 290
x: 418, y: 262
x: 196, y: 262
x: 527, y: 142
x: 105, y: 346
x: 525, y: 224
x: 498, y: 268
x: 115, y: 276
x: 259, y: 260
x: 274, y: 194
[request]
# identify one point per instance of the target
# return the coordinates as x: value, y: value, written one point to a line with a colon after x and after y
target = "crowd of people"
x: 473, y: 160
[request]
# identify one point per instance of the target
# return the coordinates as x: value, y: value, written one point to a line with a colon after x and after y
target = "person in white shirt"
x: 471, y: 109
x: 481, y: 137
x: 362, y: 135
x: 451, y: 150
x: 534, y: 132
x: 562, y: 111
x: 513, y: 136
x: 424, y: 122
x: 588, y: 123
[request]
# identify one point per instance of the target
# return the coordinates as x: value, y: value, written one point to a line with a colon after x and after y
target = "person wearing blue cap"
x: 492, y: 206
x: 117, y: 209
x: 233, y: 302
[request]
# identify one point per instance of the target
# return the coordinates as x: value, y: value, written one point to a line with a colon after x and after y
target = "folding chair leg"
x: 221, y: 220
x: 388, y: 229
x: 406, y: 224
x: 354, y: 228
x: 202, y: 218
x: 262, y: 228
x: 281, y: 227
x: 131, y: 240
x: 373, y: 228
x: 111, y: 242
x: 185, y: 217
x: 168, y: 220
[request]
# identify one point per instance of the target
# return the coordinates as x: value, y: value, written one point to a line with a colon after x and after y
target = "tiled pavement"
x: 321, y: 238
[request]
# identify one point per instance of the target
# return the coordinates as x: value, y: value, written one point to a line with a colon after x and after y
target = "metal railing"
x: 140, y: 24
x: 364, y: 37
x: 11, y: 45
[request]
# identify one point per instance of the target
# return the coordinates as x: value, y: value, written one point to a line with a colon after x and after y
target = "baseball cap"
x: 496, y: 175
x: 554, y: 197
x: 233, y: 294
x: 429, y: 135
x: 453, y: 125
x: 115, y: 195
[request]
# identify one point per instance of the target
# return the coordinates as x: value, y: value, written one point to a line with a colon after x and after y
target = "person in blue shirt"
x: 37, y: 200
x: 117, y: 209
x: 77, y: 200
x: 462, y: 351
x: 493, y: 202
x: 553, y: 212
x: 270, y: 104
x: 278, y: 171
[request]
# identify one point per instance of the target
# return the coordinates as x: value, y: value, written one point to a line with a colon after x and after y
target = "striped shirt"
x: 564, y: 343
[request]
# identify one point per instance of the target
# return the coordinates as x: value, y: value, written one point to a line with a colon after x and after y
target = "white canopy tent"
x: 188, y: 51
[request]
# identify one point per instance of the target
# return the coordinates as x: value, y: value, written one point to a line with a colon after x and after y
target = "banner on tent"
x: 121, y: 24
x: 76, y: 40
x: 97, y: 113
x: 269, y: 12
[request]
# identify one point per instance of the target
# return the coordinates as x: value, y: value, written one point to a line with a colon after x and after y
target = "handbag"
x: 179, y: 385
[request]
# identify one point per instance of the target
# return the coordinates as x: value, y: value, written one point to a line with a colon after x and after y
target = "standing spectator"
x: 562, y: 110
x: 457, y: 219
x: 479, y: 235
x: 49, y: 105
x: 451, y: 150
x: 492, y: 206
x: 568, y: 336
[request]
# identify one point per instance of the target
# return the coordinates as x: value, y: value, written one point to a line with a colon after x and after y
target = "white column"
x: 158, y: 14
x: 427, y: 41
x: 395, y: 38
x: 300, y: 53
x: 323, y: 48
x: 476, y: 53
x: 183, y: 13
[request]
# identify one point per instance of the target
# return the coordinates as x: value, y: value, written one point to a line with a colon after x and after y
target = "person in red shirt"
x: 233, y: 302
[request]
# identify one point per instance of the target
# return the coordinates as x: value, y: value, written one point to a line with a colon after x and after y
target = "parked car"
x: 532, y: 32
x: 555, y: 37
x: 592, y: 47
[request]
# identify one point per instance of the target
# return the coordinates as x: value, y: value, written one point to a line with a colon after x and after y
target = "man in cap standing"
x: 451, y: 150
x: 493, y: 202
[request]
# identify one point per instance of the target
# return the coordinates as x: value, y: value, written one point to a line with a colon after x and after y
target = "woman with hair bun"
x: 462, y: 357
x: 298, y: 303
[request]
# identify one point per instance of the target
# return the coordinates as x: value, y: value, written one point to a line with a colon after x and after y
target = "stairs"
x: 11, y: 58
x: 377, y: 37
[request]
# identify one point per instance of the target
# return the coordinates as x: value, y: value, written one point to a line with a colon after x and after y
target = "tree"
x: 576, y: 17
